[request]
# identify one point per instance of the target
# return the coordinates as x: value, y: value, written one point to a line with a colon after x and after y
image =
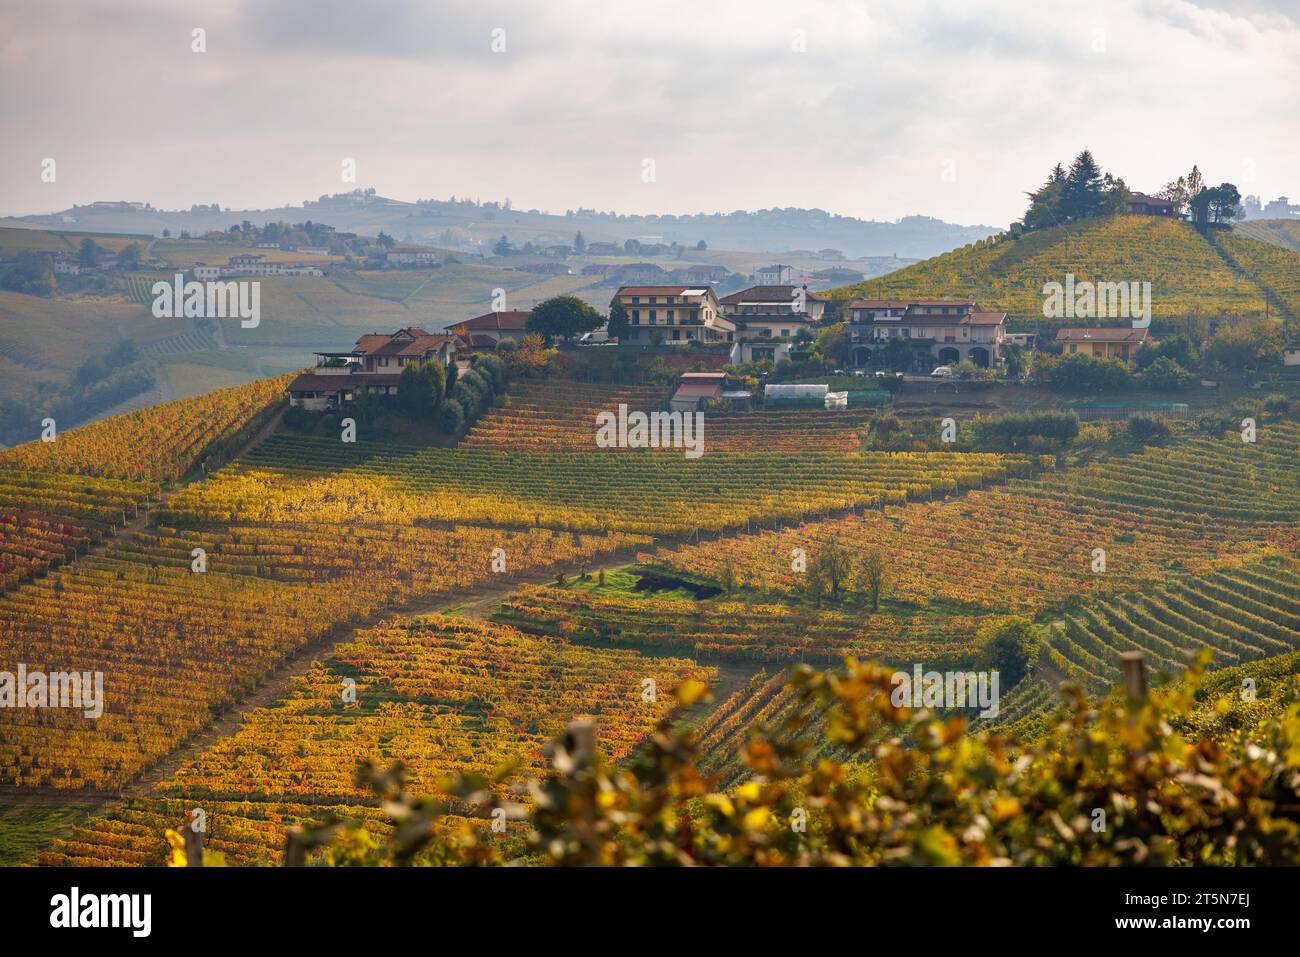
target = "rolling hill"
x: 1279, y: 232
x: 1225, y: 274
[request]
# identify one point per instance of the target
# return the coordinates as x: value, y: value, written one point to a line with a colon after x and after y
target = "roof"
x: 1102, y: 334
x: 768, y: 294
x: 310, y: 382
x: 699, y: 390
x: 419, y: 343
x: 905, y: 303
x: 662, y: 291
x: 509, y: 321
x: 704, y: 376
x: 1146, y: 200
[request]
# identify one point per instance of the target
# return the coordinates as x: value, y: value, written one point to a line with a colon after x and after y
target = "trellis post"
x: 1134, y: 665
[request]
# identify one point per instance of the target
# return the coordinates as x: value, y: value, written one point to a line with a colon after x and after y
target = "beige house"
x: 679, y: 314
x: 773, y: 312
x: 947, y: 331
x: 1119, y: 342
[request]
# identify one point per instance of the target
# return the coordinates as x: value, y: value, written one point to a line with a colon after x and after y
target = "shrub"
x: 451, y: 417
x: 1277, y: 404
x: 1080, y: 374
x: 298, y: 419
x: 1166, y: 375
x: 1029, y: 430
x: 1145, y: 429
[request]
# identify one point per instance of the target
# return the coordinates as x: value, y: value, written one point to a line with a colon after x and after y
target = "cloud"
x: 884, y: 98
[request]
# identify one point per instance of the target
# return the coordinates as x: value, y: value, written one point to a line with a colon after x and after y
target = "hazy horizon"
x: 876, y: 111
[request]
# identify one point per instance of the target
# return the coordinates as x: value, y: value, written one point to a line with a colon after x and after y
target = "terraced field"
x: 531, y: 422
x: 1241, y: 614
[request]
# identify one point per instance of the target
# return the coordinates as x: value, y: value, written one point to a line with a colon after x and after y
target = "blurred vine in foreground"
x: 1116, y: 783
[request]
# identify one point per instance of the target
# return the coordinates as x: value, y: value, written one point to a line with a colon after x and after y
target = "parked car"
x: 860, y: 373
x: 598, y: 338
x: 888, y: 375
x: 942, y: 372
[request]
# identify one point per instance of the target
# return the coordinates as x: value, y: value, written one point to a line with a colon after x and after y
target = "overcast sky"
x: 883, y: 101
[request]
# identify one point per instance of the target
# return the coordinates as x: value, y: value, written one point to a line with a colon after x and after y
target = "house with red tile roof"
x: 1103, y: 342
x: 485, y: 331
x: 373, y: 366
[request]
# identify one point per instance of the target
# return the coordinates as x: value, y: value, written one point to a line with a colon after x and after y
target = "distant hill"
x: 1279, y: 232
x: 472, y: 225
x: 1224, y: 273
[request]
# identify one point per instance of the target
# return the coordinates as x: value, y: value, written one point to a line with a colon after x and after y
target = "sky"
x: 870, y: 109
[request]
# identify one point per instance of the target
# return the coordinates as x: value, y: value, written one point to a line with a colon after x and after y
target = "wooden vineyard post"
x: 193, y: 847
x: 1134, y: 665
x: 580, y: 741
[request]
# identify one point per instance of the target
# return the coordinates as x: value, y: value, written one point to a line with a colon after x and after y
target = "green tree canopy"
x: 562, y: 317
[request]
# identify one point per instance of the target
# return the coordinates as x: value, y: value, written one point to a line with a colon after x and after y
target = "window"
x: 785, y: 332
x: 636, y: 317
x: 1074, y: 347
x: 654, y: 316
x: 695, y: 315
x: 668, y: 316
x: 636, y: 300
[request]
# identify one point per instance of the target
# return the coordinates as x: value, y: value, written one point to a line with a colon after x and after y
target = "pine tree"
x: 1082, y: 196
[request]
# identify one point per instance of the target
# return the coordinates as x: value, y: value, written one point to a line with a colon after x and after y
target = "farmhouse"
x: 1291, y: 356
x: 374, y: 366
x: 775, y: 275
x: 412, y: 256
x: 701, y: 274
x: 769, y: 318
x: 944, y: 330
x: 1140, y: 204
x: 1118, y: 342
x: 484, y: 332
x: 679, y: 314
x: 250, y: 264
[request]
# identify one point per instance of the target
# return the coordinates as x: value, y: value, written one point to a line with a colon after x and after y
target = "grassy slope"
x: 28, y: 829
x: 1279, y: 232
x: 1185, y: 271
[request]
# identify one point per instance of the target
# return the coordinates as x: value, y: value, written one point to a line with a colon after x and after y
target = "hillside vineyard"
x: 324, y: 602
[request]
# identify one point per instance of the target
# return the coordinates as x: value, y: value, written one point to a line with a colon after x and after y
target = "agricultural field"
x: 1241, y: 614
x: 161, y: 443
x: 1279, y: 232
x: 1186, y: 273
x: 166, y: 637
x: 1031, y: 543
x: 441, y: 695
x: 308, y: 480
x: 363, y: 584
x: 729, y: 629
x: 529, y: 422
